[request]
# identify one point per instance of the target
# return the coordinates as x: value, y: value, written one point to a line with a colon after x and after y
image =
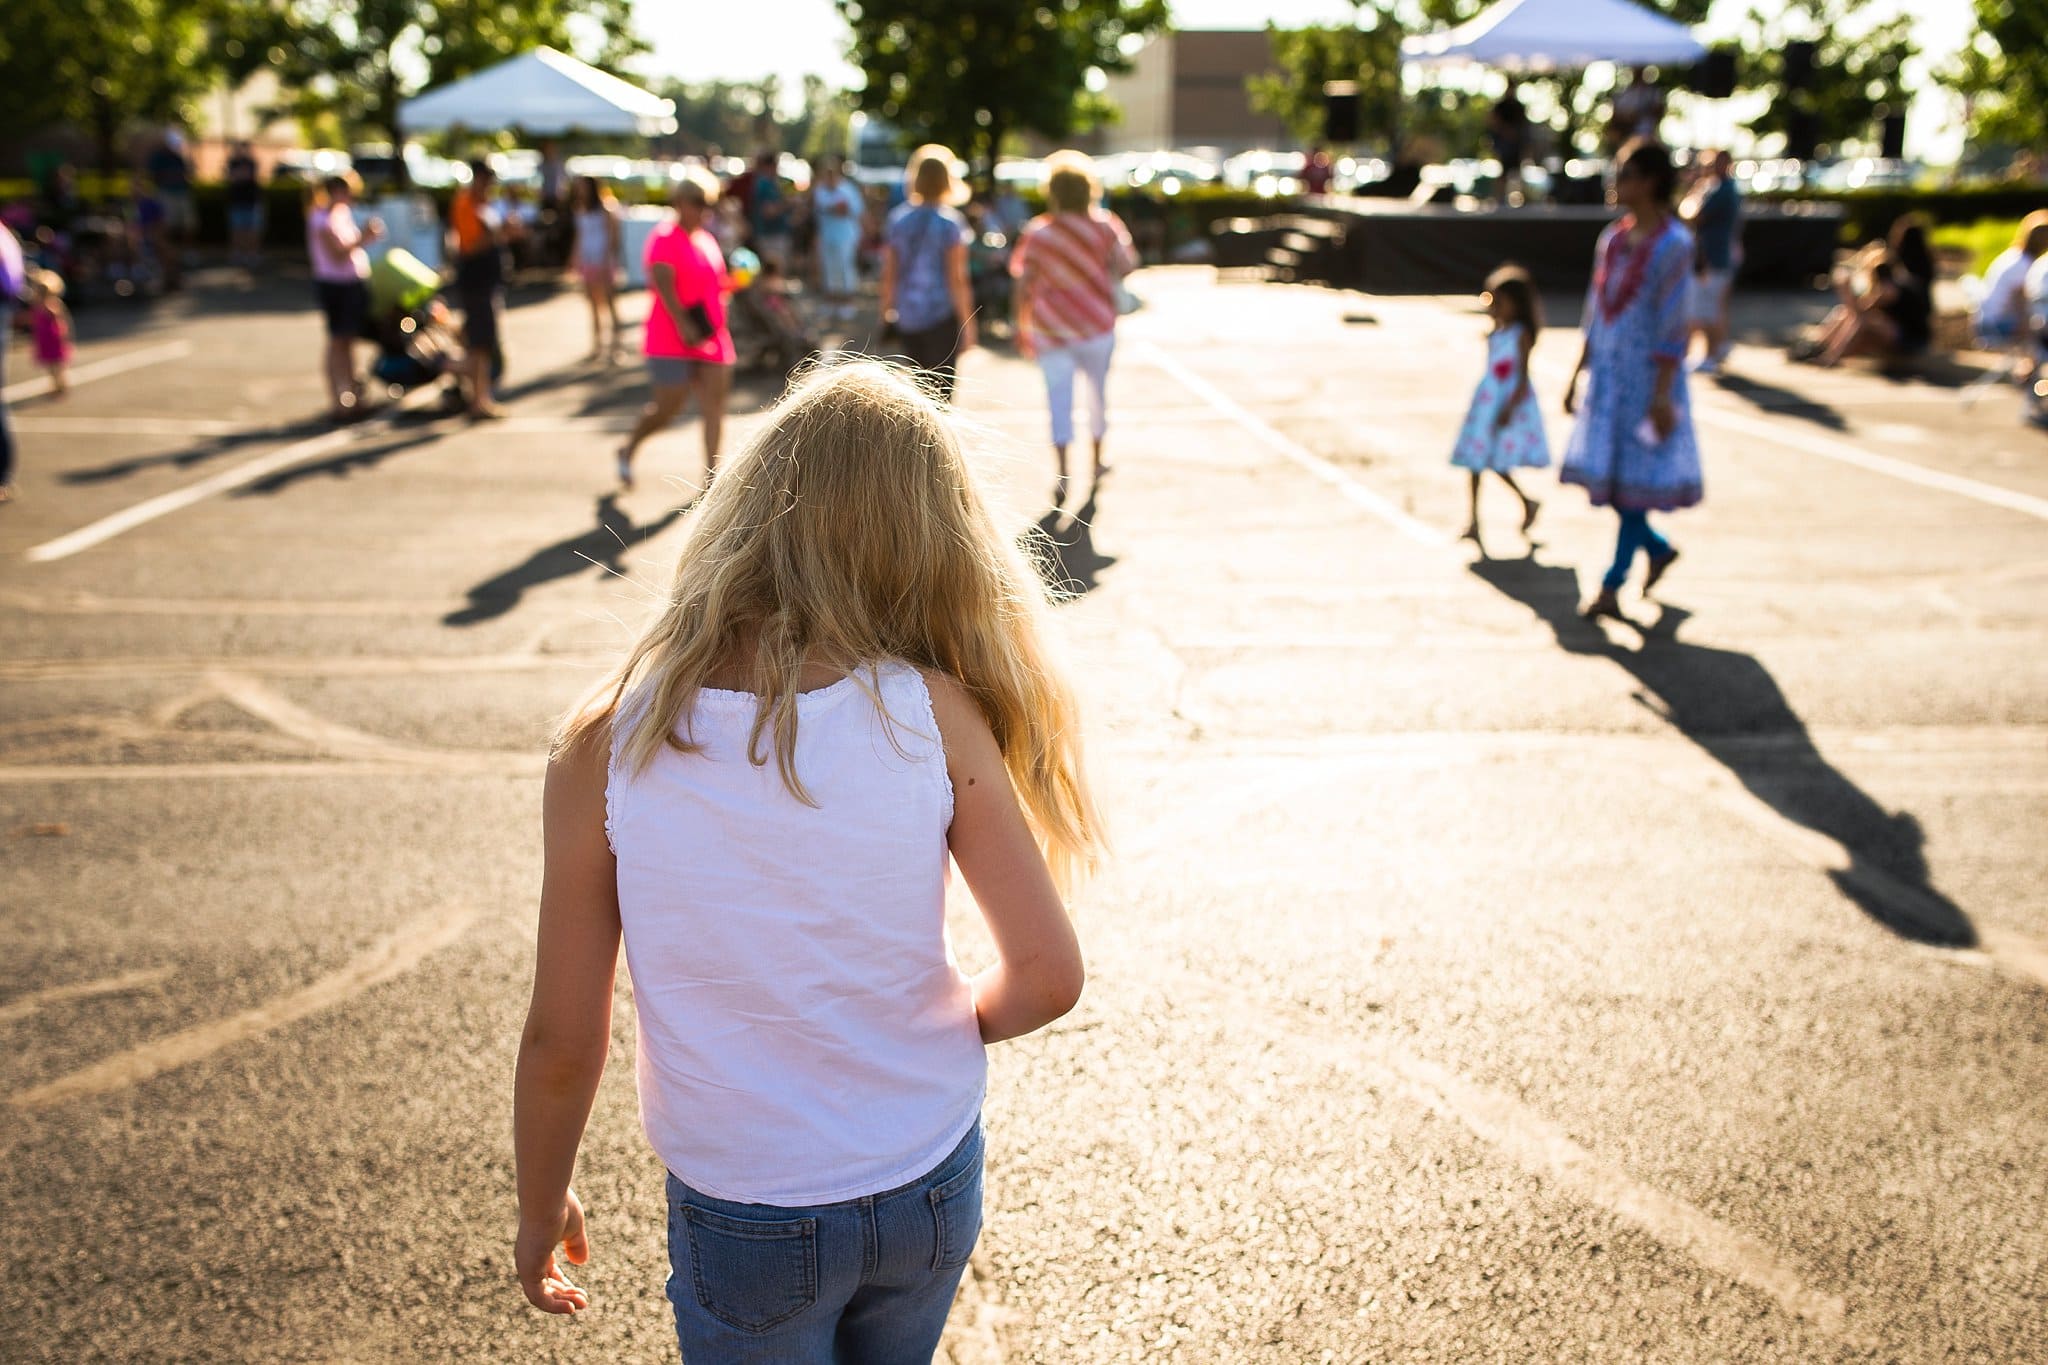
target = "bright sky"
x: 699, y: 40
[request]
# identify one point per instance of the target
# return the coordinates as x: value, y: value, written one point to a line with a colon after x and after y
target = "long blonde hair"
x: 853, y: 530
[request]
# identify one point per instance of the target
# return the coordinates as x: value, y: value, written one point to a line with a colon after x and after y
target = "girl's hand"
x: 547, y: 1286
x: 1507, y: 409
x: 1663, y: 416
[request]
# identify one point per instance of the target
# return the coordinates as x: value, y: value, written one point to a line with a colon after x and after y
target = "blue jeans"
x: 1635, y: 534
x: 868, y: 1281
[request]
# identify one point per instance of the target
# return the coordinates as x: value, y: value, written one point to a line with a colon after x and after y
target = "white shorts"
x: 1710, y: 289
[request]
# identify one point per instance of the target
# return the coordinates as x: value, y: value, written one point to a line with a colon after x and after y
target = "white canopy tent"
x: 542, y: 93
x: 1541, y: 36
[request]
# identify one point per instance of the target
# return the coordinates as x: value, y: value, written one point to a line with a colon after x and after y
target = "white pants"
x: 1090, y: 357
x: 837, y: 262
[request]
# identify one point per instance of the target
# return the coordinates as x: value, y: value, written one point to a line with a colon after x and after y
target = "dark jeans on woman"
x: 932, y: 350
x: 6, y: 427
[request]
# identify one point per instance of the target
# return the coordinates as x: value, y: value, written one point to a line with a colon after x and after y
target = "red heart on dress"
x: 1503, y: 368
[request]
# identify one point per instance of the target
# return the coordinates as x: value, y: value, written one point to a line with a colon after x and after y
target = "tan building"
x: 1186, y: 89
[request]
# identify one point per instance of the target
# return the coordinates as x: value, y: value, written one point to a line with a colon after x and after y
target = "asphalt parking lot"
x: 1470, y: 982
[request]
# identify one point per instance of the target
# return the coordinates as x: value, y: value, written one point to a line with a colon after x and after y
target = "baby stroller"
x: 416, y: 342
x: 766, y: 331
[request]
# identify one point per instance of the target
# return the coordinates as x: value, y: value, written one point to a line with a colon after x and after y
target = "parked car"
x: 1265, y: 172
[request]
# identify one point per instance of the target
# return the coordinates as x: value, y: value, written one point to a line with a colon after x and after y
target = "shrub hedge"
x: 1868, y: 214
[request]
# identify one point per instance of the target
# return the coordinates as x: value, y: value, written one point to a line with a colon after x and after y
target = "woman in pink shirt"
x: 341, y: 276
x: 688, y: 348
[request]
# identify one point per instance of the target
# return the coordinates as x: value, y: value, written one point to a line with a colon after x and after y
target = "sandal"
x: 1658, y: 564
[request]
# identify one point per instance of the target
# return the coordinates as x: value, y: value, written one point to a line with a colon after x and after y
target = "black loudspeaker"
x: 1340, y: 112
x: 1892, y: 137
x: 1798, y: 65
x: 1714, y: 77
x: 1802, y: 134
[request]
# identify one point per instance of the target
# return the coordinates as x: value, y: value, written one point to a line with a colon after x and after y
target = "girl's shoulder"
x: 963, y: 727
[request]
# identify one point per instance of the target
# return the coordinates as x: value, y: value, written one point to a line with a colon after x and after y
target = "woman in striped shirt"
x: 1067, y: 264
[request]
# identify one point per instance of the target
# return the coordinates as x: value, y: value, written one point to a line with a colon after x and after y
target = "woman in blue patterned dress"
x: 1633, y: 446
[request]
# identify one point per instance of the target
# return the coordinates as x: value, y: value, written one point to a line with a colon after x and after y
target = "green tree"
x: 1366, y: 51
x: 1856, y: 67
x: 352, y: 58
x: 2002, y: 75
x: 740, y: 117
x: 101, y: 63
x: 970, y: 72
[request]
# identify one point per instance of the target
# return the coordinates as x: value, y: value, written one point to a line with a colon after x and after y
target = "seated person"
x: 1887, y: 307
x: 2001, y: 313
x: 2034, y: 312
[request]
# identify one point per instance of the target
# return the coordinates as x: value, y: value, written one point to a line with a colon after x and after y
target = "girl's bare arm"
x: 1038, y: 973
x: 569, y: 1023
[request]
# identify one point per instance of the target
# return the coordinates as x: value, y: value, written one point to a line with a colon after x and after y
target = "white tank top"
x: 804, y: 1034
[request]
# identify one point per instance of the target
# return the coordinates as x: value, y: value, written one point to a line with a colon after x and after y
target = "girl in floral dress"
x: 1503, y: 431
x: 1633, y: 447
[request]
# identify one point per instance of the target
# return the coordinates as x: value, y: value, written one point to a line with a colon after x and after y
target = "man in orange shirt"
x: 477, y: 230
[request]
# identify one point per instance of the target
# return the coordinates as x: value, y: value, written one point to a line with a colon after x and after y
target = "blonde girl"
x: 846, y: 684
x: 50, y: 324
x: 927, y: 300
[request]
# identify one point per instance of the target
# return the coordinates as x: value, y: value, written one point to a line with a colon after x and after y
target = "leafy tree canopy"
x: 1856, y: 73
x: 2003, y: 75
x: 969, y: 72
x: 101, y: 64
x: 358, y: 59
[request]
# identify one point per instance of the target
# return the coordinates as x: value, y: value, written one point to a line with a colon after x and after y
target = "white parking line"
x: 106, y: 528
x: 1542, y: 1148
x: 101, y: 369
x: 22, y: 1006
x: 1278, y: 441
x: 389, y: 957
x: 1789, y: 433
x: 49, y: 425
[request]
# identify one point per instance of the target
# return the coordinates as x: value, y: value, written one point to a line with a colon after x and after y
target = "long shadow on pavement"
x: 1729, y: 705
x: 355, y: 457
x: 199, y: 452
x: 1064, y: 551
x: 1777, y: 399
x: 601, y: 548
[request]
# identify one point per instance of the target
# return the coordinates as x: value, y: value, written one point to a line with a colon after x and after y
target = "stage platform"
x: 1387, y: 246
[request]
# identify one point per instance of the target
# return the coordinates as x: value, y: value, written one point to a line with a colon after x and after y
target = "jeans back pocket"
x: 752, y: 1275
x: 956, y: 1215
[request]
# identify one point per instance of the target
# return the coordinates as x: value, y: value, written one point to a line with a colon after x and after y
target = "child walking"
x: 50, y: 323
x: 846, y: 684
x: 1503, y: 430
